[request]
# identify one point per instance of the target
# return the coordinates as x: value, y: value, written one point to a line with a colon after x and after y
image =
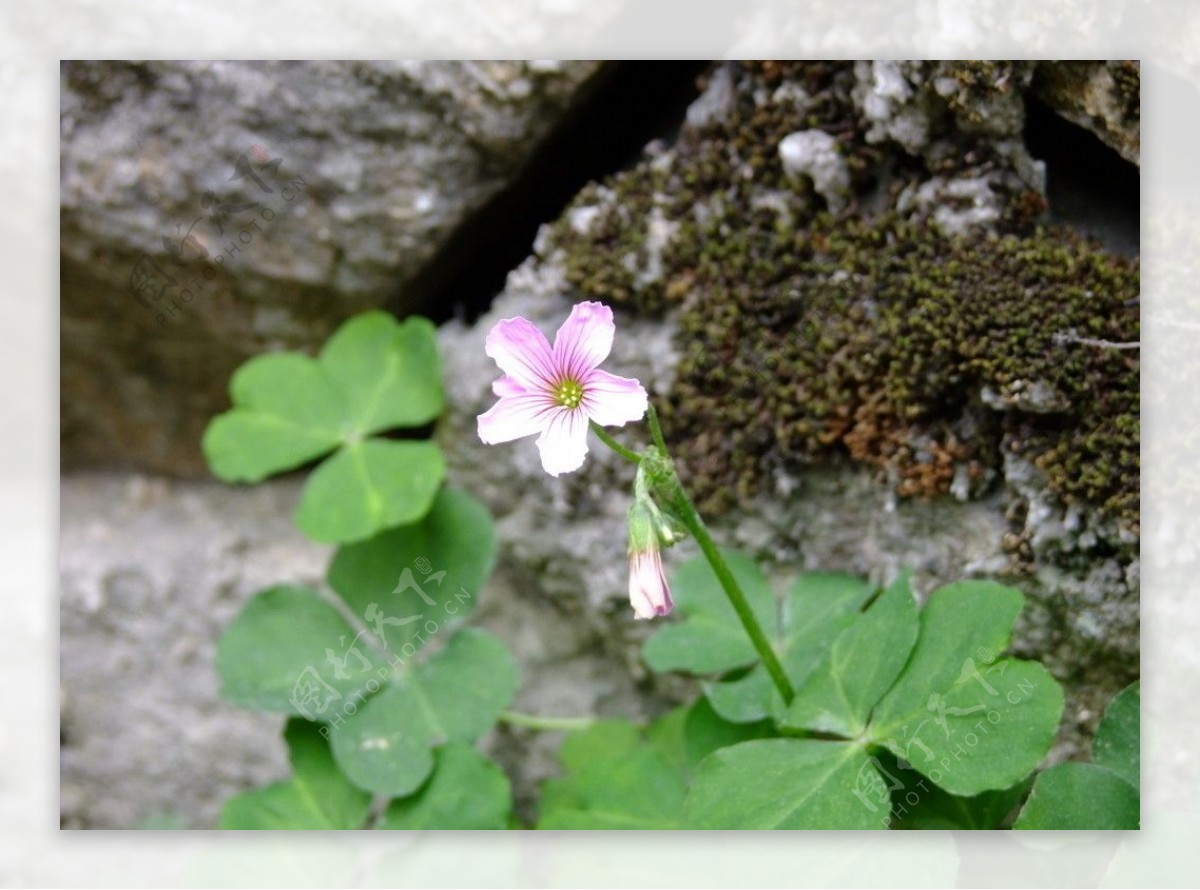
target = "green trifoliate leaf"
x: 374, y: 374
x: 1080, y: 797
x: 865, y: 660
x: 616, y: 778
x: 368, y: 486
x: 962, y: 716
x: 705, y: 731
x: 386, y: 746
x: 432, y: 569
x: 917, y: 803
x: 788, y: 784
x: 389, y: 371
x: 317, y: 796
x: 289, y: 650
x: 1118, y: 738
x: 286, y: 411
x: 817, y: 607
x: 466, y: 792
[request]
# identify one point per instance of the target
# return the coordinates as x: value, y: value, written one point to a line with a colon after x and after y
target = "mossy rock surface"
x: 873, y: 335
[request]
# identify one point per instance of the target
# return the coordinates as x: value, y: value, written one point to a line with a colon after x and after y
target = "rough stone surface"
x: 151, y: 573
x: 813, y: 153
x: 1104, y: 97
x: 380, y: 162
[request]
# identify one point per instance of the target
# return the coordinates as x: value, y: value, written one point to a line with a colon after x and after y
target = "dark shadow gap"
x: 1090, y: 187
x: 627, y: 105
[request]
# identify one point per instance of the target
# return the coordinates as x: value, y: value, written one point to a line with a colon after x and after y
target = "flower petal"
x: 514, y: 417
x: 522, y: 352
x: 611, y: 400
x: 563, y: 443
x: 584, y: 340
x: 507, y: 386
x: 648, y: 591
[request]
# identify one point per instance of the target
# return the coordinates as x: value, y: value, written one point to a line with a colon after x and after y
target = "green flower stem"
x: 667, y: 480
x: 685, y: 510
x: 549, y: 724
x: 688, y: 515
x: 631, y: 456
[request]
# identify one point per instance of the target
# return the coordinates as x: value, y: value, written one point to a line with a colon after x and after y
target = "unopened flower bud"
x: 648, y: 591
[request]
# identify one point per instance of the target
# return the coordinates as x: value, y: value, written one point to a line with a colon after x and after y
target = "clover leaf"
x: 1103, y: 794
x: 317, y: 796
x: 863, y: 663
x: 1118, y: 738
x: 961, y: 715
x: 389, y: 371
x: 290, y: 650
x: 788, y: 784
x: 466, y: 792
x: 386, y: 745
x: 616, y: 778
x: 1080, y: 796
x: 801, y: 626
x: 373, y: 374
x: 929, y: 687
x: 811, y: 613
x: 431, y: 569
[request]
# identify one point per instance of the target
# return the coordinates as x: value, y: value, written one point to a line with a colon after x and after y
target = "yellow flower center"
x: 568, y: 393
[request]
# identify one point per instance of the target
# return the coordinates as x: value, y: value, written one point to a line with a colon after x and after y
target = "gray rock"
x: 1034, y: 396
x: 814, y: 154
x: 152, y: 572
x: 377, y: 163
x: 1104, y: 97
x: 932, y: 110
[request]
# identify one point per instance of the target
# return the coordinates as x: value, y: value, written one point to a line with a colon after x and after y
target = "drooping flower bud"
x: 648, y: 591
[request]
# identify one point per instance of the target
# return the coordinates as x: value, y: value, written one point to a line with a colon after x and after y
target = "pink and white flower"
x: 555, y: 391
x: 648, y: 591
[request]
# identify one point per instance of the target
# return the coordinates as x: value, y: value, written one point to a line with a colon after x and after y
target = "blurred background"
x: 886, y: 308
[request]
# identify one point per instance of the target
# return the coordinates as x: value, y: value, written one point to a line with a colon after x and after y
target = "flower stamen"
x: 568, y: 393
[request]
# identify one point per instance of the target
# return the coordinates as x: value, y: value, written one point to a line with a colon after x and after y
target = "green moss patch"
x: 917, y: 354
x: 807, y: 338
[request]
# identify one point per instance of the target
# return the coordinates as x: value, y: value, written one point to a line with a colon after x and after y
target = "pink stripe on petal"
x: 613, y: 401
x: 514, y: 417
x: 563, y: 443
x: 585, y: 339
x: 507, y: 386
x: 522, y: 352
